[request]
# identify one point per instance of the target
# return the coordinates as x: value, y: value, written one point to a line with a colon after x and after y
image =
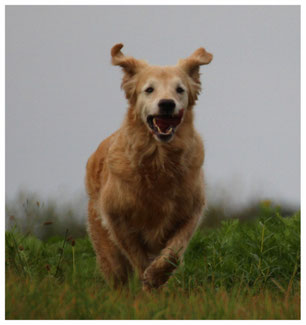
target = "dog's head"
x: 161, y: 95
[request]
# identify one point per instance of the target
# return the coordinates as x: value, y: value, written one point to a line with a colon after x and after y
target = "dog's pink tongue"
x: 164, y: 123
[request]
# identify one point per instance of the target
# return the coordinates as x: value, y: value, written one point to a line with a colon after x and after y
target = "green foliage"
x: 29, y: 256
x: 240, y: 270
x: 246, y: 253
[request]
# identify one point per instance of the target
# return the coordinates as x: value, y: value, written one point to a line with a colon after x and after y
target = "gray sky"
x: 63, y: 96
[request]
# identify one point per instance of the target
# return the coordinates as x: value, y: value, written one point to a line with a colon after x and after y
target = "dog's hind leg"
x: 113, y: 264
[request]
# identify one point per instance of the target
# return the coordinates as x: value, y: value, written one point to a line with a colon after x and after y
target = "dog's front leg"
x: 159, y: 271
x: 130, y: 244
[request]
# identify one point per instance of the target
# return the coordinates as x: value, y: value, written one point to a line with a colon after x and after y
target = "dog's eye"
x: 149, y: 90
x: 179, y: 90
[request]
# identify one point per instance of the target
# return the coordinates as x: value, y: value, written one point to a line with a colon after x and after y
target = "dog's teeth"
x: 159, y: 130
x: 154, y: 122
x: 169, y: 130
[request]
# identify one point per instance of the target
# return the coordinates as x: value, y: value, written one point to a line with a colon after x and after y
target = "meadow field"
x: 239, y: 268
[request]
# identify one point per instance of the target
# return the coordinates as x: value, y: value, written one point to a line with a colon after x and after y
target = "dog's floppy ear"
x: 192, y: 64
x: 130, y: 67
x: 129, y: 64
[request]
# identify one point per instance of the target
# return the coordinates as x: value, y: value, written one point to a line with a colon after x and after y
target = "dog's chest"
x: 149, y: 199
x: 149, y: 205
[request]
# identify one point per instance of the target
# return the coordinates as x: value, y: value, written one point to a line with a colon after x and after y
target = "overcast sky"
x: 63, y: 96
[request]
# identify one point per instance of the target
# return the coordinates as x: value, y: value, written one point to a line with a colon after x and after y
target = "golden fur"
x: 146, y: 196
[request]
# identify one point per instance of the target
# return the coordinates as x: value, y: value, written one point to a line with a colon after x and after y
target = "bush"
x: 261, y: 252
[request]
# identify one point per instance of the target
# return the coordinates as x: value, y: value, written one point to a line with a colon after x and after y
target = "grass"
x: 240, y: 270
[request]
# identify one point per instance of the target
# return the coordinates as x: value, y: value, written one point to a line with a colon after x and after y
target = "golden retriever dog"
x: 145, y: 182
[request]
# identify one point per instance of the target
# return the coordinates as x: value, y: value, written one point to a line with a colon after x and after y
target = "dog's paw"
x: 146, y: 287
x: 158, y: 273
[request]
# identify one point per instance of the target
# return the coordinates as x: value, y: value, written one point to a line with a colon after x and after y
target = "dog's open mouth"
x: 164, y: 126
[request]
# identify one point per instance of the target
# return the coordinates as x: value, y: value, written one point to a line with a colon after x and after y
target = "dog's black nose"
x: 166, y: 106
